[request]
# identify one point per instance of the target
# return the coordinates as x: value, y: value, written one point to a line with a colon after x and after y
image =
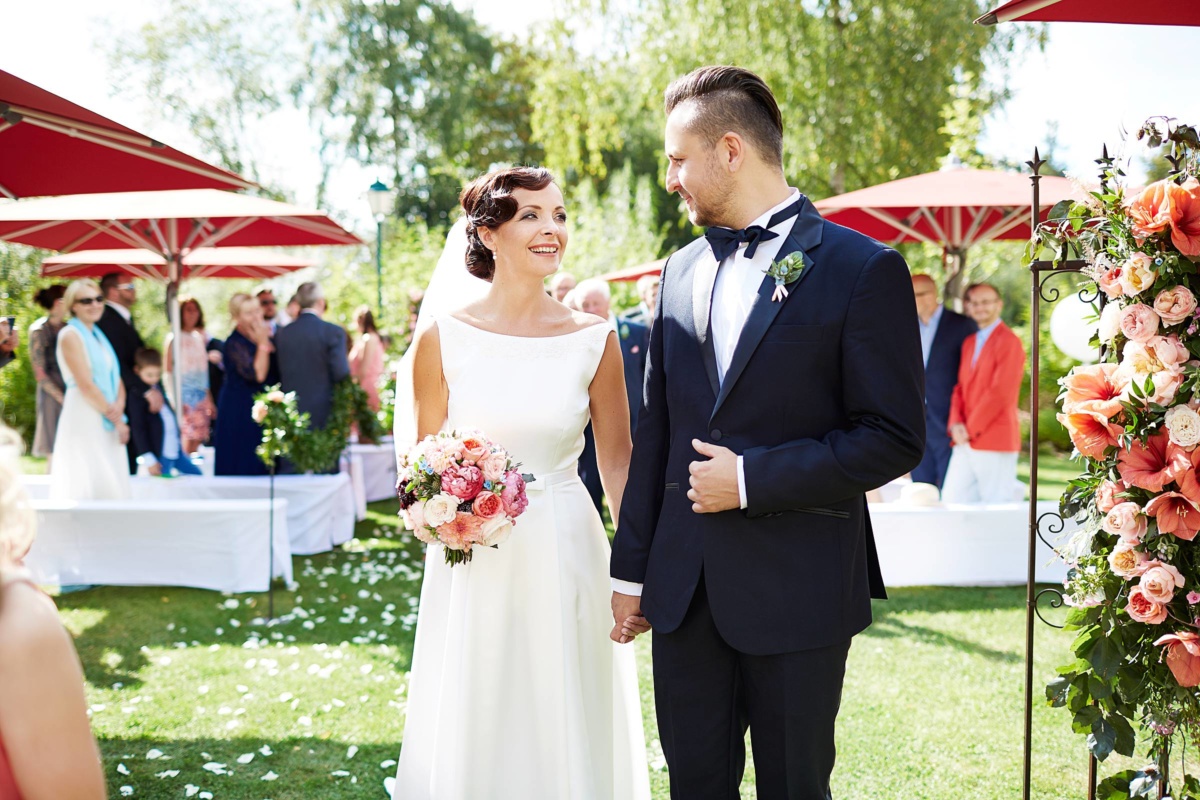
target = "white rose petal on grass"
x: 245, y: 758
x: 305, y: 721
x: 340, y: 773
x: 170, y: 773
x: 121, y: 768
x: 270, y: 776
x: 1183, y: 425
x: 389, y: 786
x: 351, y: 751
x: 191, y: 790
x: 391, y: 762
x: 154, y: 755
x: 266, y: 750
x: 126, y: 791
x: 215, y: 768
x: 206, y: 796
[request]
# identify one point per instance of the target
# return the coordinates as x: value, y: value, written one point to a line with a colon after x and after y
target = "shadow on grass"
x: 307, y: 768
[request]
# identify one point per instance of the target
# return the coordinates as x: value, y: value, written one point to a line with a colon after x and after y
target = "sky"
x: 1091, y: 81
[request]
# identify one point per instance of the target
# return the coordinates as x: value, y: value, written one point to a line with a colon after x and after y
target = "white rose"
x: 1110, y: 322
x: 259, y: 412
x: 495, y: 531
x: 1183, y: 425
x: 440, y: 509
x: 1136, y: 274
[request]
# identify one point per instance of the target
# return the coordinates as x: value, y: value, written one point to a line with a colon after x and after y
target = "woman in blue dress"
x: 247, y: 362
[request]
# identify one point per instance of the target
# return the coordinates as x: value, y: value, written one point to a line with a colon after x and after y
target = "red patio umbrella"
x: 206, y: 262
x: 1143, y: 12
x: 955, y: 209
x: 633, y: 273
x: 50, y: 146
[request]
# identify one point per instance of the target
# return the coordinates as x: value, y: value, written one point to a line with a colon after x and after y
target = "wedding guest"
x: 560, y: 284
x: 89, y: 445
x: 643, y: 313
x: 214, y: 348
x: 10, y: 339
x: 312, y: 356
x: 274, y: 318
x: 117, y: 325
x: 366, y: 357
x: 983, y: 408
x: 46, y: 745
x: 247, y: 361
x: 156, y: 437
x: 595, y: 297
x: 196, y: 402
x: 43, y: 340
x: 293, y: 307
x: 942, y: 334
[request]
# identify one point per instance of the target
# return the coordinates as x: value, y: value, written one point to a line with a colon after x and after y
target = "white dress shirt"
x: 734, y: 293
x: 125, y: 313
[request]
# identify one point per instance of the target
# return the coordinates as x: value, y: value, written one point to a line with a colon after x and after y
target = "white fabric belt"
x: 544, y: 482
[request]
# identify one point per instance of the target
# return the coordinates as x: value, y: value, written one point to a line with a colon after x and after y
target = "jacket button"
x: 716, y: 434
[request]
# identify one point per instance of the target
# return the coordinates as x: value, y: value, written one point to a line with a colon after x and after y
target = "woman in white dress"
x: 516, y: 689
x: 89, y: 446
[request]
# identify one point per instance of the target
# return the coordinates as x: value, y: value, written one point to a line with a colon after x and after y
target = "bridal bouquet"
x: 460, y: 489
x: 1134, y: 578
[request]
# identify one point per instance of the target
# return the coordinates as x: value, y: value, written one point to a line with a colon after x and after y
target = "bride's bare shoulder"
x: 580, y: 320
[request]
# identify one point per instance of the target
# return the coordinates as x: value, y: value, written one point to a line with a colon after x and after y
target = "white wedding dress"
x: 516, y: 690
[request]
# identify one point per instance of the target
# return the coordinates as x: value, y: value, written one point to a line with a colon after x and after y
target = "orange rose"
x: 1183, y: 657
x: 1184, y: 208
x: 1150, y: 211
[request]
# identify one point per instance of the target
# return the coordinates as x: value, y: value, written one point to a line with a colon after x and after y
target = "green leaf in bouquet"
x: 1078, y: 699
x: 1056, y: 691
x: 1084, y: 719
x: 1126, y: 738
x: 1105, y: 658
x: 1099, y: 689
x: 1084, y: 641
x: 1102, y: 740
x: 1116, y: 787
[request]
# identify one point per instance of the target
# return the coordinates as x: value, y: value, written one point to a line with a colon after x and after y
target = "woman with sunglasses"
x: 89, y: 446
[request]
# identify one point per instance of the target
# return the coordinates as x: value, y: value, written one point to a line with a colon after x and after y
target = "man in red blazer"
x: 983, y: 409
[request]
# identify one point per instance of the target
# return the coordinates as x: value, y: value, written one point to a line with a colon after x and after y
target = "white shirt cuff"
x: 741, y: 470
x: 625, y: 587
x: 148, y: 459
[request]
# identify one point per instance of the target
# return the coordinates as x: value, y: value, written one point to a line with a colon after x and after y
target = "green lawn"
x: 187, y: 691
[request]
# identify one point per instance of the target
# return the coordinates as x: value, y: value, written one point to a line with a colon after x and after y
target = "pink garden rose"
x: 474, y: 447
x: 1125, y: 560
x: 275, y: 396
x: 1159, y: 581
x: 1175, y: 305
x: 1139, y: 322
x: 1125, y: 520
x: 1106, y: 495
x: 259, y: 412
x: 495, y: 531
x: 1183, y: 657
x: 461, y: 532
x: 441, y: 458
x: 464, y: 482
x: 493, y: 466
x: 414, y: 516
x: 515, y: 501
x: 487, y: 505
x: 1169, y: 351
x: 1109, y: 282
x: 1166, y: 386
x: 1143, y: 609
x: 1137, y: 274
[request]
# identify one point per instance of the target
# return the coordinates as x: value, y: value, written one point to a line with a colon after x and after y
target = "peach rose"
x: 1159, y: 581
x: 1166, y: 386
x: 1184, y: 209
x: 1137, y: 274
x: 1183, y: 657
x: 275, y: 396
x: 1110, y: 323
x: 474, y: 447
x: 1106, y: 495
x: 1125, y: 520
x: 1150, y: 210
x: 1109, y: 282
x: 487, y: 505
x: 493, y: 465
x: 1142, y: 609
x: 495, y: 531
x: 1175, y: 305
x: 1126, y: 561
x: 259, y: 412
x: 440, y: 509
x: 1139, y: 322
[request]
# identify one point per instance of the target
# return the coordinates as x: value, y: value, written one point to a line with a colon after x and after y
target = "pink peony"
x: 1091, y: 388
x: 1137, y: 274
x: 1106, y: 495
x: 1178, y: 513
x: 414, y: 515
x: 259, y: 412
x: 464, y: 482
x: 1125, y: 560
x: 515, y: 501
x: 1150, y: 210
x: 1183, y: 657
x: 1184, y: 209
x: 461, y: 532
x: 1159, y: 581
x: 1143, y: 609
x: 1148, y: 465
x: 1125, y: 520
x: 1139, y: 322
x: 487, y: 505
x: 1169, y: 351
x: 1175, y: 305
x: 1091, y: 432
x: 493, y: 465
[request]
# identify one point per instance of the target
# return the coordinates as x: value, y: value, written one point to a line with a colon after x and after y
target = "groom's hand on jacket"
x: 714, y: 483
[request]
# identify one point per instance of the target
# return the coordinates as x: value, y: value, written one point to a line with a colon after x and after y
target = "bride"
x: 516, y: 689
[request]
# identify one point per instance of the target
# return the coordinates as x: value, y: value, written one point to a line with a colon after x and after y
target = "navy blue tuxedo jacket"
x: 941, y: 372
x: 635, y: 341
x: 312, y: 358
x: 824, y: 400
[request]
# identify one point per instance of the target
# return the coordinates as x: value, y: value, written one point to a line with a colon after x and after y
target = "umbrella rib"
x: 980, y: 213
x: 315, y: 226
x: 34, y: 228
x: 220, y: 232
x: 123, y: 231
x: 1014, y: 218
x: 937, y: 228
x: 1021, y: 9
x: 74, y: 127
x: 4, y: 191
x: 899, y: 224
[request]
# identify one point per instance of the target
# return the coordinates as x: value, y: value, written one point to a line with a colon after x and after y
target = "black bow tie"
x: 724, y: 241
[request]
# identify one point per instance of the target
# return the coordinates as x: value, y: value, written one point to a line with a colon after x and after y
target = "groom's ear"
x: 731, y: 149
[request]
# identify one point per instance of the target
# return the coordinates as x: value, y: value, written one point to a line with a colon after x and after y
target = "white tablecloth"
x: 219, y: 545
x: 961, y: 545
x: 321, y: 509
x: 375, y: 466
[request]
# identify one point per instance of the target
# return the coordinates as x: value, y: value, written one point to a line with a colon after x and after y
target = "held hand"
x: 714, y: 482
x: 627, y: 610
x: 155, y: 470
x: 214, y: 357
x: 958, y: 432
x: 114, y: 413
x: 122, y: 433
x: 154, y: 400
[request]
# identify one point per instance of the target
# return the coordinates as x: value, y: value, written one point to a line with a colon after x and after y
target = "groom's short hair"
x: 731, y: 99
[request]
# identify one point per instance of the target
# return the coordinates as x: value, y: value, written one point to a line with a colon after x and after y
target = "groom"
x: 744, y: 537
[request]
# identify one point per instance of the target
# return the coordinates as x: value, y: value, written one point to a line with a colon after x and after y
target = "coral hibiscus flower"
x: 1183, y: 657
x: 1091, y: 432
x: 1148, y: 466
x: 1178, y: 513
x: 1184, y: 208
x: 1149, y: 212
x: 1092, y: 389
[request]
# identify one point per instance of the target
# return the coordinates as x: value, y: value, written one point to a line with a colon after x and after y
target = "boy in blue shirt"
x: 155, y: 436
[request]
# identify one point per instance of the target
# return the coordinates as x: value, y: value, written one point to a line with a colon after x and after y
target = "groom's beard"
x: 714, y: 207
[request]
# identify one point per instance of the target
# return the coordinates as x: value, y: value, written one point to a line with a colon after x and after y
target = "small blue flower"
x: 1158, y: 262
x: 487, y: 485
x: 428, y: 469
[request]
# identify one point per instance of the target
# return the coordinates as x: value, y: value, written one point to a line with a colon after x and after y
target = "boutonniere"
x: 785, y: 273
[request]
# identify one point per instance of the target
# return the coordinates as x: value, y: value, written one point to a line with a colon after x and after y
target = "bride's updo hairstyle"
x: 488, y: 203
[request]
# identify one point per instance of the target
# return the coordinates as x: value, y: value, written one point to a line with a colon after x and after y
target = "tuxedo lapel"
x: 804, y: 237
x: 704, y: 279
